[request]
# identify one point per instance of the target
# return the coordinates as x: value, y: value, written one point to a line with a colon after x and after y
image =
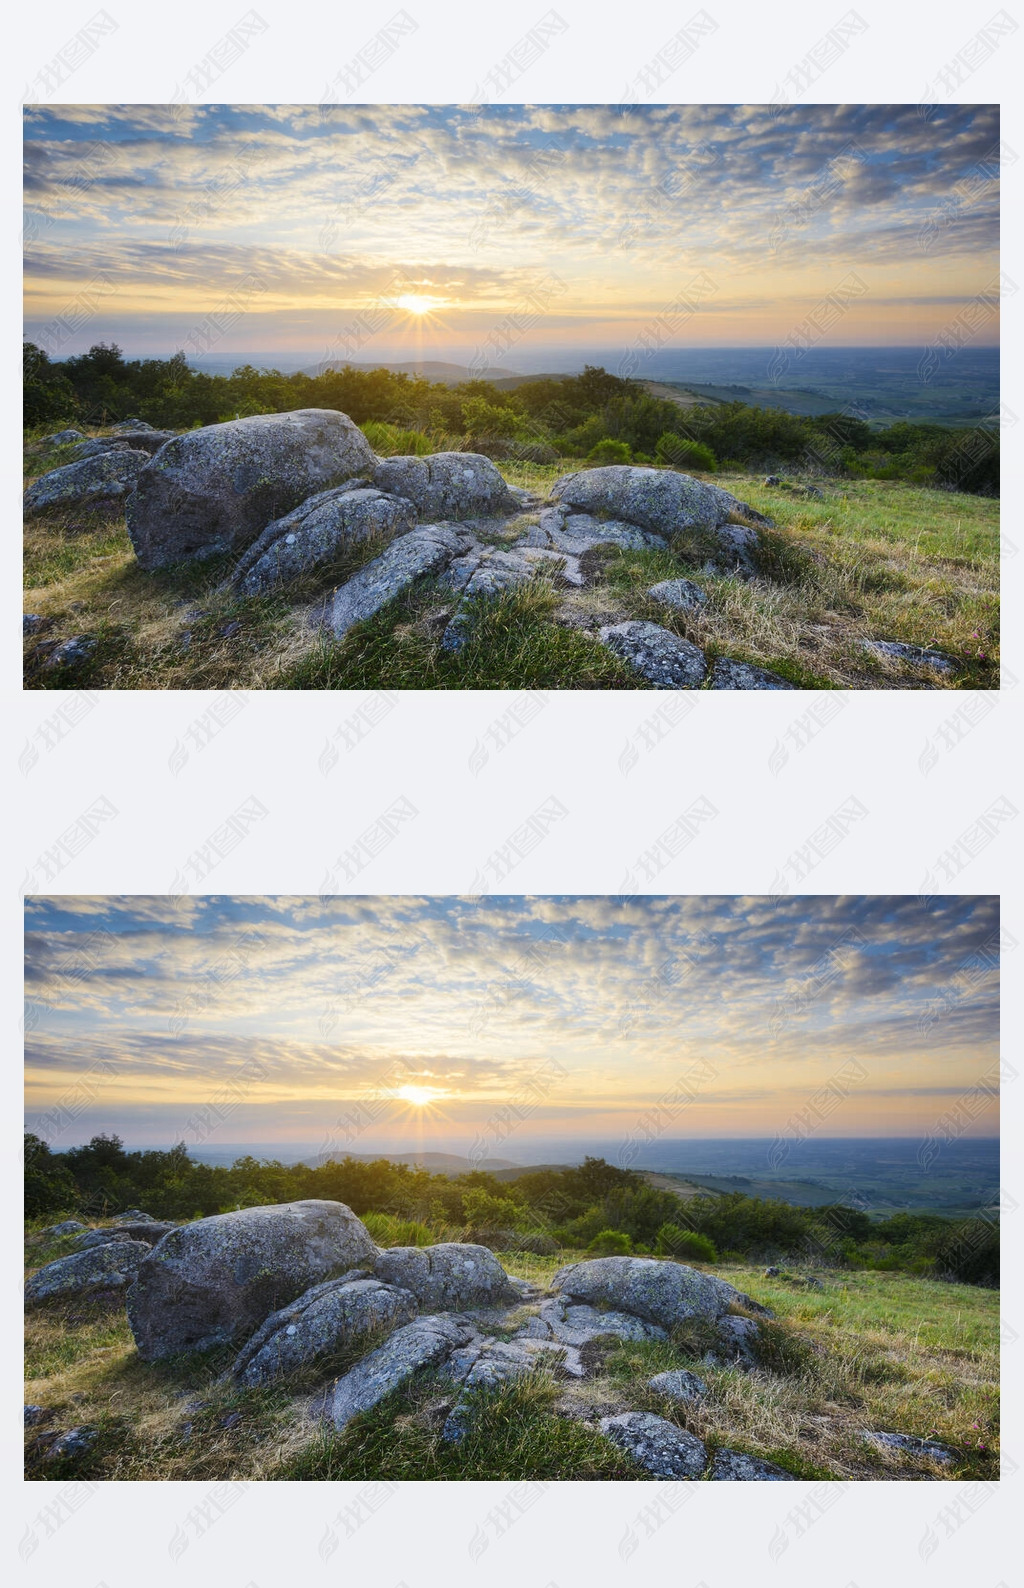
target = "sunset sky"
x: 425, y: 1018
x: 395, y: 232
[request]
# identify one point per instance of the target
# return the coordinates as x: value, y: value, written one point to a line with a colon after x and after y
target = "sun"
x: 419, y: 1095
x: 417, y: 303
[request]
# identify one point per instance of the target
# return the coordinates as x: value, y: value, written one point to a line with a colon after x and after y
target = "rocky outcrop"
x: 682, y: 594
x: 658, y: 655
x: 320, y: 530
x: 662, y: 1293
x: 62, y: 438
x: 111, y: 1266
x: 426, y: 550
x: 329, y: 1316
x: 910, y: 1445
x: 446, y: 1277
x: 140, y: 441
x: 65, y: 1227
x: 657, y: 1445
x: 427, y: 1342
x: 103, y: 479
x: 216, y: 489
x: 574, y: 533
x: 727, y: 674
x: 215, y: 1281
x: 147, y: 1230
x: 679, y: 1385
x: 732, y: 1466
x: 449, y: 485
x: 662, y: 500
x: 577, y: 1324
x: 917, y: 655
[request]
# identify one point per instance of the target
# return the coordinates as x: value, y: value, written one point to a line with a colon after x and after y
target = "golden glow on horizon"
x: 417, y: 303
x: 418, y: 1095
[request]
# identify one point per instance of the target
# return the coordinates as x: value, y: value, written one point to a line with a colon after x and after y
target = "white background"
x: 918, y: 833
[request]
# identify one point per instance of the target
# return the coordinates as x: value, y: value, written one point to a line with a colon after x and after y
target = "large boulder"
x: 578, y: 1324
x: 578, y: 532
x: 107, y: 1267
x: 324, y: 1319
x: 426, y: 550
x: 215, y: 1281
x: 427, y: 1342
x: 659, y: 499
x: 101, y: 479
x: 656, y: 1444
x: 450, y: 1276
x: 214, y: 490
x: 663, y: 1293
x: 317, y: 532
x: 449, y: 485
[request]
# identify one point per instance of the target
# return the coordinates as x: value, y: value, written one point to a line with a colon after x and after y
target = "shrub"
x: 488, y: 1212
x: 682, y: 453
x: 611, y: 1243
x: 390, y: 1231
x: 608, y: 451
x: 673, y: 1241
x: 391, y: 442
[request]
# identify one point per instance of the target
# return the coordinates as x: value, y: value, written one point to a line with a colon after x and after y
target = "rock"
x: 145, y: 441
x: 66, y: 1227
x: 772, y: 479
x: 732, y: 1466
x: 325, y: 1318
x: 660, y: 1292
x: 656, y: 1444
x: 735, y: 551
x: 772, y: 1273
x: 105, y: 478
x: 682, y: 594
x: 317, y: 532
x: 136, y: 1216
x: 33, y: 623
x: 727, y: 674
x: 107, y: 1267
x: 575, y: 534
x: 215, y: 489
x: 425, y: 550
x: 911, y: 1446
x: 72, y: 652
x: 34, y: 1415
x: 425, y: 1343
x: 488, y: 570
x: 814, y: 1283
x: 491, y: 1362
x: 449, y: 1276
x: 896, y: 651
x: 147, y: 1230
x: 215, y: 1281
x: 448, y: 485
x: 62, y: 438
x: 578, y: 1325
x: 662, y: 658
x: 663, y: 500
x: 74, y: 1442
x: 133, y: 425
x: 678, y: 1385
x: 737, y: 1338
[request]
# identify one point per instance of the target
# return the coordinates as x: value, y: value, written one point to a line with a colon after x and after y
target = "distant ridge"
x: 430, y: 369
x: 436, y: 1162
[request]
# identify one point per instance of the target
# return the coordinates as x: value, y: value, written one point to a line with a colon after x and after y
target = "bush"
x: 389, y: 1231
x: 391, y: 442
x: 673, y: 1241
x: 610, y: 452
x: 488, y: 1212
x: 682, y: 453
x: 611, y: 1243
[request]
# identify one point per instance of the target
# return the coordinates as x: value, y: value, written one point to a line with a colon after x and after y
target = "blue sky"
x: 432, y: 1015
x: 159, y: 214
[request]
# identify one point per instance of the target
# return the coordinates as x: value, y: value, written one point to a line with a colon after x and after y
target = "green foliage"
x: 389, y: 1231
x: 388, y: 441
x: 609, y: 451
x: 687, y: 1245
x: 487, y: 1212
x: 610, y: 1243
x: 681, y: 453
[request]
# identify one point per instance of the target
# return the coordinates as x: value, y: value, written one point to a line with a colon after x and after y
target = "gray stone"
x: 682, y: 594
x: 427, y: 1342
x: 910, y: 1445
x: 727, y: 674
x: 140, y: 441
x: 322, y: 1320
x: 147, y: 1230
x: 448, y: 484
x: 578, y: 1324
x: 678, y: 1385
x: 574, y: 535
x: 317, y: 532
x: 487, y: 570
x: 136, y: 1216
x: 663, y: 500
x: 215, y: 1281
x: 735, y: 551
x: 772, y: 1273
x: 33, y: 623
x: 34, y: 1415
x: 73, y: 1442
x: 66, y: 1227
x: 732, y: 1466
x: 132, y: 425
x: 215, y: 489
x: 490, y: 1362
x: 72, y: 651
x: 656, y: 1444
x: 62, y: 438
x: 737, y: 1338
x: 661, y: 657
x: 660, y: 1292
x: 101, y: 479
x: 425, y: 550
x: 451, y: 1275
x: 918, y: 655
x: 107, y: 1267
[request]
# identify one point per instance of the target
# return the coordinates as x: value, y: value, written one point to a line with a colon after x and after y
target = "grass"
x: 873, y: 559
x: 869, y: 1351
